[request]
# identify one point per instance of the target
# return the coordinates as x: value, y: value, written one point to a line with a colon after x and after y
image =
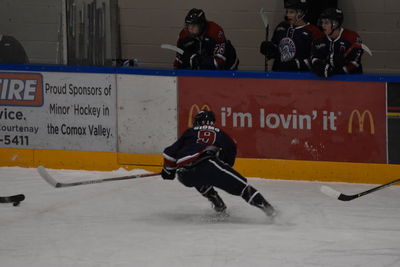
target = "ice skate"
x: 216, y: 202
x: 253, y: 197
x: 269, y: 210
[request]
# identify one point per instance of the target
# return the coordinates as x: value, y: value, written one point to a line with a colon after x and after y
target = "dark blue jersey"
x: 195, y: 141
x: 294, y: 46
x: 344, y: 53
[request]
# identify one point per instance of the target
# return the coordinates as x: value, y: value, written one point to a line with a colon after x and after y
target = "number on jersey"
x: 206, y: 137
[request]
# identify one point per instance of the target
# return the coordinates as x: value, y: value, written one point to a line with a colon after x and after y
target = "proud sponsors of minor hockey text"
x: 79, y: 110
x: 79, y: 130
x: 76, y: 90
x: 71, y: 109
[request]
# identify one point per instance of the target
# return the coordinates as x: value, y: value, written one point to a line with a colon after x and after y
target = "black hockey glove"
x: 185, y: 59
x: 322, y: 69
x: 268, y: 49
x: 184, y: 62
x: 190, y: 61
x: 194, y: 61
x: 168, y: 174
x: 190, y: 46
x: 337, y: 61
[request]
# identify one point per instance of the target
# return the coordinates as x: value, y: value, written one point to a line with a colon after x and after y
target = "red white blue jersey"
x: 215, y: 50
x: 195, y: 141
x: 347, y: 46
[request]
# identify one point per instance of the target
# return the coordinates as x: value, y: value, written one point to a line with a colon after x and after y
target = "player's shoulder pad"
x: 315, y: 31
x: 215, y: 31
x: 351, y: 36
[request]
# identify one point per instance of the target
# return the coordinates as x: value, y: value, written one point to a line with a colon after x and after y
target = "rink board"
x: 264, y: 168
x: 91, y: 118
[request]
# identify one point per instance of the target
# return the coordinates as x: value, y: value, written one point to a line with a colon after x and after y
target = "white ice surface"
x: 152, y: 222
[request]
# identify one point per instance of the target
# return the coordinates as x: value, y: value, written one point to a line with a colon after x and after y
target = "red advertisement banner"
x: 293, y: 119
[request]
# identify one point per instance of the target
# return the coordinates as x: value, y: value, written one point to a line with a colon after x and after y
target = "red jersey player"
x: 204, y: 44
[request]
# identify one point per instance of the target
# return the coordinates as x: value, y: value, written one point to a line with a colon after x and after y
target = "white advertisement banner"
x: 61, y: 111
x: 147, y: 119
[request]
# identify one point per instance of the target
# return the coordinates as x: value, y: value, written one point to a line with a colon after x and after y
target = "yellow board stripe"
x: 393, y: 114
x: 79, y: 160
x: 319, y: 170
x: 270, y: 169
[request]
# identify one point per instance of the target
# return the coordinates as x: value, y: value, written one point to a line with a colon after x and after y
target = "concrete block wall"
x: 378, y: 23
x: 147, y: 24
x: 35, y: 24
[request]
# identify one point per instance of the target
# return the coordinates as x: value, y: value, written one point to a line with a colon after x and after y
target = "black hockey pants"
x: 213, y: 172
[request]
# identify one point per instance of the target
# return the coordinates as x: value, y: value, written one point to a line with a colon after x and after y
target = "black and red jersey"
x: 294, y: 45
x: 347, y: 46
x: 215, y: 51
x: 196, y: 141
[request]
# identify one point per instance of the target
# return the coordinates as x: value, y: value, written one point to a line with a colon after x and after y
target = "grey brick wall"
x: 378, y: 23
x: 34, y: 24
x: 147, y: 24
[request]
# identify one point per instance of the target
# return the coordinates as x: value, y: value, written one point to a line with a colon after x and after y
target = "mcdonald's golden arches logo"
x: 361, y: 120
x: 194, y: 109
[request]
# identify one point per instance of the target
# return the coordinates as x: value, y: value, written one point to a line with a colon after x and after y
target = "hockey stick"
x: 366, y: 49
x: 45, y: 175
x: 15, y: 199
x: 173, y: 48
x: 336, y: 194
x: 266, y: 25
x: 358, y: 45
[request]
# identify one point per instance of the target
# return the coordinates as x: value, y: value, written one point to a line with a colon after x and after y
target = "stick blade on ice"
x: 46, y: 176
x: 330, y: 191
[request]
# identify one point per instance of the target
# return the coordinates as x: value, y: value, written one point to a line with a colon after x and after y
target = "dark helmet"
x: 296, y: 4
x: 333, y: 14
x: 204, y: 117
x: 195, y: 16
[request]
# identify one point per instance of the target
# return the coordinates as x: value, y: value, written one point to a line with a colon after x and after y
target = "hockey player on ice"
x: 291, y: 43
x: 203, y: 158
x: 339, y: 51
x: 204, y: 44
